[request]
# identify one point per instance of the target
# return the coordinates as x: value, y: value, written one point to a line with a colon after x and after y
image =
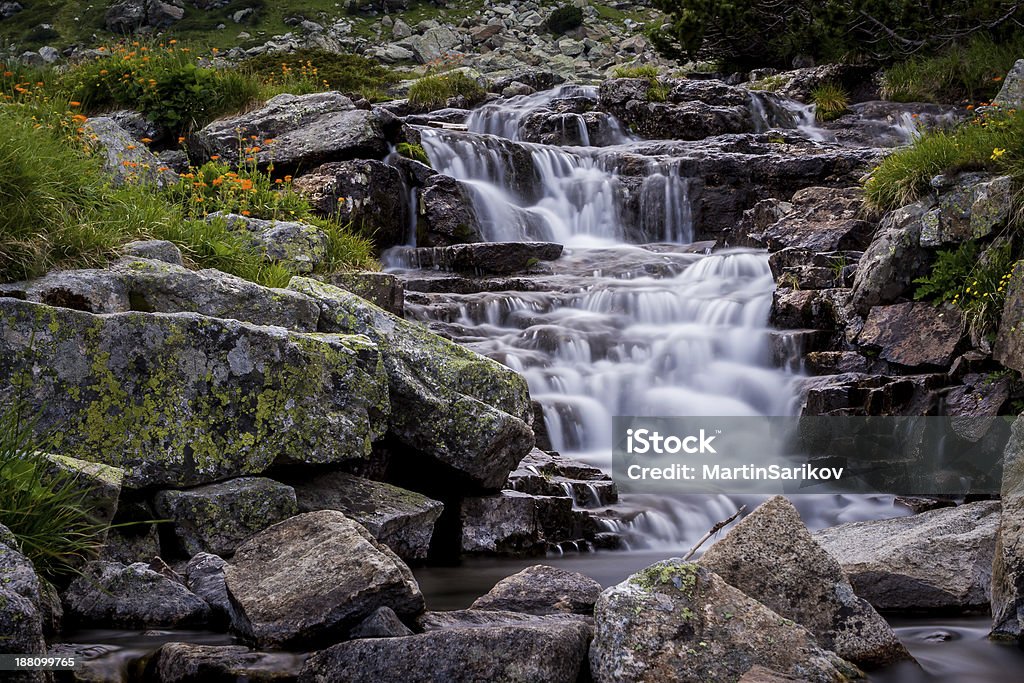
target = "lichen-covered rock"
x: 1008, y: 567
x: 154, y: 250
x: 204, y: 576
x: 95, y: 291
x: 307, y: 130
x: 380, y: 289
x: 300, y: 247
x: 771, y: 556
x: 158, y: 287
x: 1009, y: 346
x: 402, y: 520
x: 192, y: 663
x: 466, y: 413
x: 111, y: 595
x: 97, y: 485
x: 914, y: 334
x: 125, y: 158
x: 217, y: 518
x: 542, y: 590
x: 447, y: 215
x: 314, y: 576
x: 178, y: 400
x: 553, y: 653
x: 893, y: 260
x: 514, y: 523
x: 21, y: 623
x: 970, y: 206
x: 1011, y: 94
x: 677, y: 621
x: 937, y: 561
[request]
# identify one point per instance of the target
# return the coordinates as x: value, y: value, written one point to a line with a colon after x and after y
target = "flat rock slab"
x: 495, y: 258
x: 937, y: 561
x: 542, y: 590
x: 312, y: 577
x: 914, y: 334
x: 187, y: 663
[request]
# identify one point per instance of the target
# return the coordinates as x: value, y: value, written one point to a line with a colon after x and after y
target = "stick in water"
x: 714, y: 530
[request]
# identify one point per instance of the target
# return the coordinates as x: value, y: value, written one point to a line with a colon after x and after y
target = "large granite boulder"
x: 677, y: 621
x: 178, y: 400
x: 914, y: 334
x: 969, y: 206
x: 204, y: 576
x: 515, y: 524
x: 893, y: 260
x: 1008, y: 567
x: 771, y: 556
x: 94, y: 291
x: 936, y: 561
x: 124, y: 158
x: 300, y: 247
x: 466, y: 414
x: 688, y: 116
x: 542, y: 590
x: 313, y: 577
x: 400, y: 519
x: 217, y: 518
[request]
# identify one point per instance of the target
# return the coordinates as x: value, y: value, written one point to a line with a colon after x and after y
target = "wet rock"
x: 402, y: 520
x: 1009, y: 346
x: 677, y: 621
x: 383, y: 623
x: 771, y: 556
x: 499, y: 258
x: 935, y: 561
x: 514, y: 523
x: 629, y: 99
x: 233, y: 397
x: 21, y: 619
x: 380, y: 289
x: 312, y: 577
x: 125, y: 158
x: 159, y: 287
x: 217, y: 518
x: 191, y: 663
x: 447, y: 215
x: 544, y: 474
x: 307, y: 130
x: 1008, y: 567
x: 300, y: 247
x: 1011, y: 94
x: 365, y: 192
x: 863, y: 394
x: 466, y: 414
x: 821, y: 219
x: 204, y: 576
x: 554, y: 653
x: 970, y: 206
x: 542, y: 590
x: 154, y: 250
x: 111, y: 595
x: 914, y: 334
x: 893, y: 260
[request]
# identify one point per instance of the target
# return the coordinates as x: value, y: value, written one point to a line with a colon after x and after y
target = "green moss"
x: 674, y: 574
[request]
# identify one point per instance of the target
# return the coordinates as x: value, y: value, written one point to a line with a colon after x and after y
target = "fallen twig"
x: 714, y: 530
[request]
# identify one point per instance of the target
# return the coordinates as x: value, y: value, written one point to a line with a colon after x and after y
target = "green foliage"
x: 831, y: 101
x: 313, y: 70
x: 971, y: 72
x: 657, y: 91
x: 770, y: 83
x: 345, y: 249
x: 432, y: 92
x: 993, y: 141
x: 43, y: 506
x: 773, y: 32
x: 637, y: 71
x: 564, y: 19
x: 414, y: 152
x: 248, y: 191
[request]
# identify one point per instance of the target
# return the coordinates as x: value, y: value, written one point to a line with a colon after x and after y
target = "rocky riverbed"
x: 567, y: 255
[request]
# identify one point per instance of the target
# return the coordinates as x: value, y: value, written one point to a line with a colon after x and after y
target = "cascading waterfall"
x: 611, y: 337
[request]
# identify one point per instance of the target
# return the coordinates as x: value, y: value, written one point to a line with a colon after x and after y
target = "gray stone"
x: 179, y: 400
x: 1008, y: 567
x: 914, y: 334
x: 315, y: 576
x: 893, y: 260
x: 677, y: 621
x: 125, y: 158
x: 499, y: 258
x: 402, y: 520
x: 154, y: 250
x: 21, y: 621
x: 514, y: 523
x: 217, y: 518
x: 434, y: 44
x: 542, y: 590
x: 446, y: 215
x: 771, y: 556
x: 97, y: 487
x: 464, y: 412
x: 300, y: 247
x: 93, y: 291
x: 111, y: 595
x: 9, y: 9
x: 190, y: 663
x: 486, y: 618
x: 400, y: 30
x: 554, y: 653
x: 49, y: 54
x: 204, y: 576
x: 1011, y: 94
x: 971, y: 206
x: 380, y: 289
x: 935, y: 561
x: 1009, y: 346
x: 383, y: 623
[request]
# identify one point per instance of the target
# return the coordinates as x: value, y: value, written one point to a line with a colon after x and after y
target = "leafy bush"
x: 564, y: 19
x: 831, y: 101
x: 971, y: 72
x: 313, y: 70
x: 432, y: 92
x: 43, y: 506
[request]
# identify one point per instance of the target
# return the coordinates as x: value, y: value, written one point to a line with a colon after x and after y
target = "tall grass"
x: 831, y: 101
x: 432, y: 92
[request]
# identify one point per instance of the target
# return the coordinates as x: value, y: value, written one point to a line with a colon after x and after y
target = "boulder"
x: 400, y: 519
x: 914, y: 334
x: 821, y: 219
x: 446, y: 214
x: 685, y: 117
x: 514, y: 523
x: 464, y: 413
x: 367, y: 193
x: 111, y: 595
x: 542, y: 590
x: 21, y: 618
x: 97, y: 486
x: 678, y: 621
x: 482, y: 618
x: 312, y: 577
x: 307, y: 131
x: 124, y: 157
x: 1008, y: 567
x: 935, y: 561
x: 154, y: 250
x: 893, y: 260
x: 217, y: 518
x: 380, y: 289
x: 383, y: 623
x: 433, y: 44
x: 1011, y: 94
x: 93, y: 291
x: 498, y: 258
x: 300, y: 247
x: 970, y: 206
x: 771, y: 556
x: 554, y: 653
x: 1009, y: 346
x: 179, y: 400
x: 204, y: 576
x: 191, y: 663
x: 158, y: 287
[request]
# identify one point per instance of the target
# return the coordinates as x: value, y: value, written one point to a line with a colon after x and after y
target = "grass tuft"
x: 831, y: 101
x: 433, y: 92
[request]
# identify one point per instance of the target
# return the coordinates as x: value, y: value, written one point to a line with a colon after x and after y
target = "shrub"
x: 564, y: 19
x: 830, y: 101
x: 432, y: 92
x: 313, y: 70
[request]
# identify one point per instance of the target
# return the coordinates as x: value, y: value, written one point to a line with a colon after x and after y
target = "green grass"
x: 309, y: 70
x: 639, y: 71
x: 965, y: 73
x: 432, y: 92
x: 414, y: 152
x: 994, y: 141
x: 831, y: 101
